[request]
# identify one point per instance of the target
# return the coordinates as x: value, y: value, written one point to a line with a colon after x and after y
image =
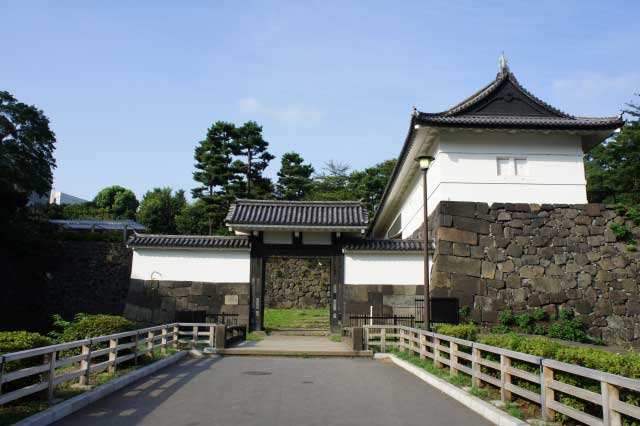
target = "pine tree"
x: 250, y: 146
x: 294, y: 178
x: 214, y: 173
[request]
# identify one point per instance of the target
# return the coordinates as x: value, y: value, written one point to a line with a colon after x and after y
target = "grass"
x: 296, y: 319
x: 335, y: 338
x: 255, y: 337
x: 519, y: 408
x: 22, y: 408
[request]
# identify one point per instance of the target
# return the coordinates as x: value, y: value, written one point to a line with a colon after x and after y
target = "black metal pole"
x: 426, y: 316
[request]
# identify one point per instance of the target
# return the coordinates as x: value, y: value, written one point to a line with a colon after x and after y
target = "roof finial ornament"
x: 504, y: 67
x: 414, y: 111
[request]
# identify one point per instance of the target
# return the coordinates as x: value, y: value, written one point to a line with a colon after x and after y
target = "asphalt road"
x: 264, y: 391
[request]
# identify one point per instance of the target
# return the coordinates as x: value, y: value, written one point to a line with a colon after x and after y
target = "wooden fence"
x: 40, y: 370
x: 530, y: 377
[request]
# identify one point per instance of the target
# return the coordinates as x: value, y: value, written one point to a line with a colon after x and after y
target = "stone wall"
x: 385, y: 299
x: 297, y: 282
x: 158, y: 302
x: 521, y: 256
x: 43, y: 277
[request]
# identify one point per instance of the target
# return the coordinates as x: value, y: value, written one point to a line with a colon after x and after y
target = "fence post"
x: 505, y: 378
x: 135, y: 349
x: 453, y: 358
x: 1, y: 371
x: 85, y: 364
x: 475, y: 366
x: 422, y: 345
x: 436, y: 352
x: 548, y: 394
x: 176, y: 336
x: 113, y: 355
x: 220, y: 336
x: 51, y: 357
x: 164, y: 340
x: 194, y: 336
x: 401, y: 340
x: 610, y: 394
x: 212, y: 333
x: 357, y: 334
x: 150, y: 335
x: 383, y: 339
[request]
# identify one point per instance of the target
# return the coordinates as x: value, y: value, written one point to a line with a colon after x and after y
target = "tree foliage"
x: 368, y: 185
x: 214, y: 173
x: 26, y: 154
x: 193, y: 219
x: 332, y: 183
x: 160, y: 208
x: 119, y: 202
x: 613, y: 168
x: 294, y: 177
x: 252, y: 158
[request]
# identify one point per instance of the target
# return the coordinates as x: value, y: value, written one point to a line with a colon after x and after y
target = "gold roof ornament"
x: 502, y: 61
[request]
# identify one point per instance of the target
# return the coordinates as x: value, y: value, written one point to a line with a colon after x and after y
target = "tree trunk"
x: 249, y: 173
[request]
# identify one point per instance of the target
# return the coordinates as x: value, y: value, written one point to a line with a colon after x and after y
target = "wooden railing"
x: 530, y: 377
x: 50, y: 366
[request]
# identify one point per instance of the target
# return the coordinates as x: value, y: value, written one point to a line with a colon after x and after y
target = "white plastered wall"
x: 405, y: 268
x: 466, y: 170
x: 222, y: 266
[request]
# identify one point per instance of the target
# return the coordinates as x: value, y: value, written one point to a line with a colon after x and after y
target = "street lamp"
x: 424, y: 161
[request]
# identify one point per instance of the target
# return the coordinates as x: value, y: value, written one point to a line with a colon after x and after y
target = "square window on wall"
x: 521, y: 167
x: 504, y: 166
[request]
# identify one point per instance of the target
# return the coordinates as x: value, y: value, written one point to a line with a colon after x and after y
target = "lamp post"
x: 425, y: 162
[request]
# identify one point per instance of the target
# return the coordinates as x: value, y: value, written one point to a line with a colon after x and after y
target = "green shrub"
x: 463, y: 331
x: 506, y: 318
x: 568, y: 328
x: 633, y: 213
x: 15, y: 341
x: 539, y: 330
x: 85, y: 326
x: 539, y: 314
x: 524, y: 320
x: 620, y: 231
x: 631, y: 247
x: 500, y: 329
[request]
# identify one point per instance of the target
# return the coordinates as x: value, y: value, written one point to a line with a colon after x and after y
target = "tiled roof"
x: 508, y: 122
x: 505, y: 103
x: 383, y: 245
x: 297, y: 214
x: 189, y: 241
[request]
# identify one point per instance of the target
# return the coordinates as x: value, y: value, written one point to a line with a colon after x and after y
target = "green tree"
x: 193, y: 219
x: 213, y: 157
x: 159, y: 209
x: 368, y: 185
x: 332, y: 184
x: 614, y: 166
x: 120, y: 202
x: 294, y: 177
x: 26, y: 154
x: 251, y: 148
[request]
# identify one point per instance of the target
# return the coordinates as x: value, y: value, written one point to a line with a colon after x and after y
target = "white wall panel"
x: 223, y: 266
x: 383, y: 268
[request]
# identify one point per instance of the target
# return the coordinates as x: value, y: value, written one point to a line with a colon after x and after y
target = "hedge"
x: 16, y: 341
x: 463, y: 331
x: 86, y: 326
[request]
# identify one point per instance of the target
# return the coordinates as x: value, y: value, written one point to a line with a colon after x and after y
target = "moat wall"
x: 521, y: 257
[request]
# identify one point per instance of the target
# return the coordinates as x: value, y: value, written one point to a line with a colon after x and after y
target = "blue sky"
x: 130, y: 87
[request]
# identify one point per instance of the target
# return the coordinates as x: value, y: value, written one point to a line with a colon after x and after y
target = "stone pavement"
x: 274, y: 391
x: 293, y: 345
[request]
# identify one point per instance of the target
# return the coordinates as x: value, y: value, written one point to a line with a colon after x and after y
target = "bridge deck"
x: 246, y: 391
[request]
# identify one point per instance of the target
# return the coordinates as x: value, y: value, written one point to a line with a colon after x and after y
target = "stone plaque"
x: 231, y: 299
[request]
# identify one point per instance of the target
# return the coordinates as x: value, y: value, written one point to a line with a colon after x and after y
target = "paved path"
x: 265, y: 391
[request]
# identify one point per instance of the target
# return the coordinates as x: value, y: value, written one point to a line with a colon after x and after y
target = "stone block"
x: 444, y: 247
x: 478, y: 226
x: 592, y: 210
x: 514, y: 250
x: 504, y: 216
x: 461, y: 250
x: 458, y: 236
x: 531, y: 271
x: 231, y: 299
x: 476, y: 252
x: 463, y: 265
x: 488, y: 270
x: 466, y: 284
x: 458, y: 208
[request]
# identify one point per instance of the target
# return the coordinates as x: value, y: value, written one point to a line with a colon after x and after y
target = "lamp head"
x: 424, y: 161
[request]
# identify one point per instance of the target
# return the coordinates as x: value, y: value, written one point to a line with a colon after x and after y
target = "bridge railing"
x: 40, y: 370
x: 515, y: 374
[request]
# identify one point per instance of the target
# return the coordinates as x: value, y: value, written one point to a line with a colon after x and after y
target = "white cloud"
x: 286, y: 114
x: 593, y: 88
